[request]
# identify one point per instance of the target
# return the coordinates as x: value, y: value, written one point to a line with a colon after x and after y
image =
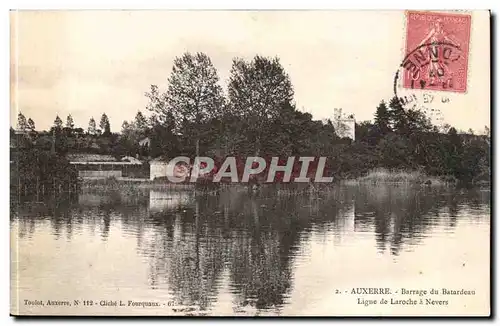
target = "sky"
x: 85, y: 63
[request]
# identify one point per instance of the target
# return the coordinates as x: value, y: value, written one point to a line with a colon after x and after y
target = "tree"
x: 58, y: 122
x: 399, y: 122
x: 92, y: 130
x: 69, y: 122
x: 407, y: 121
x: 163, y: 141
x: 258, y: 91
x: 157, y: 102
x: 153, y: 120
x: 31, y: 124
x: 193, y: 93
x: 418, y: 121
x: 367, y: 132
x: 444, y: 128
x: 104, y: 125
x: 125, y: 127
x: 395, y: 151
x: 193, y: 98
x: 383, y: 118
x: 487, y: 131
x: 140, y: 122
x: 21, y: 122
x: 134, y: 131
x: 259, y: 88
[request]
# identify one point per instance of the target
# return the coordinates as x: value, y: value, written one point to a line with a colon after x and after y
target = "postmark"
x: 434, y: 68
x: 422, y: 94
x: 436, y: 51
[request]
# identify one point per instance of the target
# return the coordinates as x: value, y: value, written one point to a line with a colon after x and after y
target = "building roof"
x: 131, y: 160
x: 160, y: 159
x: 105, y: 163
x: 164, y: 159
x: 88, y: 157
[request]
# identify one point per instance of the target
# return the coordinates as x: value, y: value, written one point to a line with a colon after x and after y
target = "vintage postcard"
x: 250, y: 163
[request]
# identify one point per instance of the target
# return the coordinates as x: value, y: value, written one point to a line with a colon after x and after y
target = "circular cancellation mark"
x: 426, y: 69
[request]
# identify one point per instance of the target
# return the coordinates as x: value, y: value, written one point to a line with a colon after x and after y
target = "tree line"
x: 257, y: 115
x: 38, y: 163
x: 104, y: 128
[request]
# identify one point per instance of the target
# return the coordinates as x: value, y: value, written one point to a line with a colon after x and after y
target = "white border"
x: 177, y: 4
x: 246, y: 4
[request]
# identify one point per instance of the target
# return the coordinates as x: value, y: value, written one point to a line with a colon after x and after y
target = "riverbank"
x: 379, y: 176
x: 386, y: 176
x: 133, y: 184
x: 137, y: 185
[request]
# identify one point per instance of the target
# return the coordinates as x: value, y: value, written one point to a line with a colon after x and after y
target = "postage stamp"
x: 437, y: 51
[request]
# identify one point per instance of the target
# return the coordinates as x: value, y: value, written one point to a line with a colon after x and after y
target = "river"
x: 234, y: 253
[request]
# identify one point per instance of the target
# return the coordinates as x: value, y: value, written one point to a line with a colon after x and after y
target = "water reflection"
x: 195, y: 247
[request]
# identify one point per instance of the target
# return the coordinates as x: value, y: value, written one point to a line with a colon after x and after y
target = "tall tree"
x: 58, y: 122
x: 407, y: 121
x: 193, y: 93
x: 125, y: 127
x: 258, y: 90
x: 69, y: 122
x: 153, y: 120
x: 92, y: 130
x: 418, y: 121
x: 454, y: 152
x: 383, y: 118
x: 193, y: 98
x: 157, y: 102
x: 104, y: 125
x: 21, y: 122
x: 140, y: 122
x: 31, y: 124
x: 397, y: 113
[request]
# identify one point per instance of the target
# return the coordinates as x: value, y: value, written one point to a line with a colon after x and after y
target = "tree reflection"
x: 403, y: 215
x: 192, y: 243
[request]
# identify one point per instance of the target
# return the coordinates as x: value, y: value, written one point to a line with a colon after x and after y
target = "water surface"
x: 236, y: 253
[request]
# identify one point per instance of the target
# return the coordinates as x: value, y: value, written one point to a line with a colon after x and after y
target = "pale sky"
x: 89, y: 62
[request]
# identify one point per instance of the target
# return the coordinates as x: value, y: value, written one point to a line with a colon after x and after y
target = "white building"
x: 158, y: 168
x: 344, y: 125
x: 99, y: 166
x: 161, y: 168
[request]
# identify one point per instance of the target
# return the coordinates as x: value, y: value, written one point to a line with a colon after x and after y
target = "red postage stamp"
x: 437, y: 51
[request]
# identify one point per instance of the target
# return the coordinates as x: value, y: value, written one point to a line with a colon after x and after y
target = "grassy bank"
x: 385, y: 176
x: 374, y: 177
x: 114, y: 184
x: 132, y: 186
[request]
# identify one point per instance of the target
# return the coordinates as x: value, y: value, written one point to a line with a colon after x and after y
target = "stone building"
x: 344, y: 125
